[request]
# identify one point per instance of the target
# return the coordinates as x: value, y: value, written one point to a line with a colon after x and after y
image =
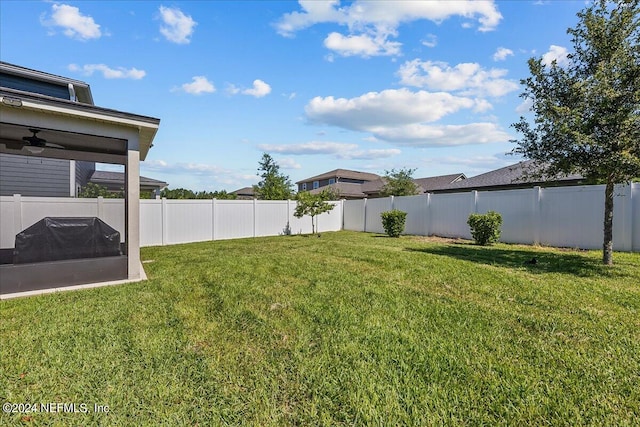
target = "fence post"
x: 164, y: 221
x: 536, y: 222
x: 213, y: 219
x: 427, y: 214
x: 474, y: 201
x: 364, y: 214
x: 626, y: 217
x: 254, y: 216
x: 100, y: 202
x: 17, y: 214
x: 391, y: 202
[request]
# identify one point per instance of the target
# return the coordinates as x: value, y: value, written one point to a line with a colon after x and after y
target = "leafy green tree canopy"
x: 183, y: 193
x: 313, y: 205
x: 92, y: 191
x: 399, y: 183
x: 274, y: 185
x: 587, y: 112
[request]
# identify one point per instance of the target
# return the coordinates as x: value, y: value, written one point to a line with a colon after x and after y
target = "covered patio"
x: 77, y: 131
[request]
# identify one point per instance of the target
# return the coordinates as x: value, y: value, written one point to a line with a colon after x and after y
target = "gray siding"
x: 30, y: 85
x: 34, y: 176
x: 84, y: 170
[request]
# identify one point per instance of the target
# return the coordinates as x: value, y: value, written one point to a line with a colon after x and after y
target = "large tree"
x: 274, y: 185
x: 399, y: 183
x: 587, y: 110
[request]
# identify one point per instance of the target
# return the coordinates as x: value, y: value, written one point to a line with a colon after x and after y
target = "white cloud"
x: 336, y: 149
x: 371, y: 23
x: 502, y: 53
x: 206, y: 174
x: 387, y: 108
x: 525, y: 106
x: 108, y: 72
x: 558, y: 54
x: 431, y: 40
x: 177, y: 27
x: 198, y: 86
x: 420, y: 135
x: 467, y: 78
x: 259, y: 89
x: 364, y: 45
x: 388, y: 15
x: 287, y: 163
x: 74, y: 24
x: 314, y: 147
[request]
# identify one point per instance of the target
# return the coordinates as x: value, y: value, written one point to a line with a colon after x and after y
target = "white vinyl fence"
x: 563, y: 216
x: 167, y: 222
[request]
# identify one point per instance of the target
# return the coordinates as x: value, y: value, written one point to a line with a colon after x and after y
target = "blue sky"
x: 370, y: 86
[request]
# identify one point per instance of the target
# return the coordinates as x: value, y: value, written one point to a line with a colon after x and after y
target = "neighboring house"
x: 358, y: 185
x: 510, y: 177
x: 114, y: 182
x: 245, y: 193
x: 29, y: 175
x: 372, y: 189
x: 347, y: 183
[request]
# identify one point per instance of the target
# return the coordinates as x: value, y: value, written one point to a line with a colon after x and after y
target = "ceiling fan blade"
x: 52, y: 145
x: 13, y: 145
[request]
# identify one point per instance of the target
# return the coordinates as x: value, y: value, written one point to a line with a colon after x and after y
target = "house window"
x: 304, y: 186
x: 332, y: 181
x: 316, y: 184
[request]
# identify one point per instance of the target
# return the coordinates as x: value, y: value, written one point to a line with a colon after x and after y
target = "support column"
x: 132, y: 213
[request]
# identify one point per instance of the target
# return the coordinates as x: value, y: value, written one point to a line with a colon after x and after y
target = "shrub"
x: 393, y: 222
x: 485, y: 228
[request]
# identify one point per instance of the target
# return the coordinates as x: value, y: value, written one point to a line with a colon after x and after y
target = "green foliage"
x: 399, y: 183
x: 587, y: 111
x: 485, y: 228
x: 183, y: 193
x: 274, y: 185
x: 313, y: 205
x: 393, y: 222
x: 92, y: 191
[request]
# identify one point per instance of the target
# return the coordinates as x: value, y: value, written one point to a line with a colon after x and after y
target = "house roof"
x: 342, y: 173
x: 244, y: 191
x: 508, y: 176
x: 424, y: 184
x: 344, y: 189
x: 117, y: 178
x: 82, y: 89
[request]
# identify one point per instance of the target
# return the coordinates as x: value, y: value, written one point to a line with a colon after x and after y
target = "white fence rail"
x: 563, y: 216
x: 167, y: 222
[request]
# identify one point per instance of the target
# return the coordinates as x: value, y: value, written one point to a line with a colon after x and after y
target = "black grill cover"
x: 52, y: 239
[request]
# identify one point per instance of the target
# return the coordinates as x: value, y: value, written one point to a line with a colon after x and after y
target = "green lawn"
x: 345, y: 329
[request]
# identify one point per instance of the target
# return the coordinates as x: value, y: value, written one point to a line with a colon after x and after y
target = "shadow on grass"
x: 534, y: 261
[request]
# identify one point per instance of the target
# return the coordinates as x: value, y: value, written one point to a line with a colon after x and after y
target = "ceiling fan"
x: 33, y: 144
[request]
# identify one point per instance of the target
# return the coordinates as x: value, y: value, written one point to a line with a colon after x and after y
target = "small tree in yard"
x: 485, y: 228
x: 313, y: 205
x: 587, y: 112
x: 399, y: 183
x: 393, y: 222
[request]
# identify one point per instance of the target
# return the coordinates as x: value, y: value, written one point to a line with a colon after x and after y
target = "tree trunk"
x: 313, y: 225
x: 607, y: 246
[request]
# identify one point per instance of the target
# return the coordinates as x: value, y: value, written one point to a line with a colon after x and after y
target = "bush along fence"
x: 167, y: 222
x: 559, y: 216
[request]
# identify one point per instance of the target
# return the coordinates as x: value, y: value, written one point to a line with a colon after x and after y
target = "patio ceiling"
x: 85, y: 131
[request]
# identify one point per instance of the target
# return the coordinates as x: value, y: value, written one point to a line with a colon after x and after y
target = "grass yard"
x: 345, y: 329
